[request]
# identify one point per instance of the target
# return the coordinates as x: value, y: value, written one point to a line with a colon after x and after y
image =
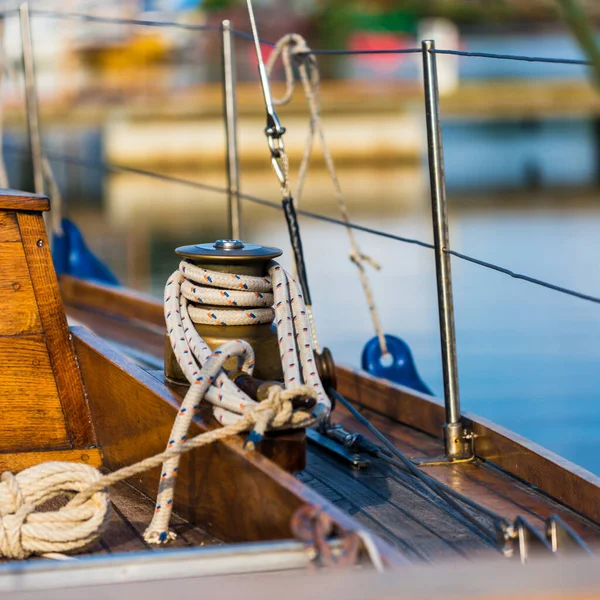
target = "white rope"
x: 24, y: 532
x: 80, y: 523
x: 293, y: 47
x: 203, y: 367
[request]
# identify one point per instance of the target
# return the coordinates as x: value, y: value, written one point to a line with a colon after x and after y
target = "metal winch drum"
x: 233, y: 256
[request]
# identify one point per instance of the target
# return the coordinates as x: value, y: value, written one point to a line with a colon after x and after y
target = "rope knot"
x: 13, y: 513
x: 296, y: 45
x: 291, y: 46
x: 278, y: 411
x: 358, y: 259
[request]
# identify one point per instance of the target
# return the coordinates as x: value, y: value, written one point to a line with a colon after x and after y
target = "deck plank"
x: 391, y: 503
x: 480, y: 481
x: 412, y: 520
x: 136, y: 510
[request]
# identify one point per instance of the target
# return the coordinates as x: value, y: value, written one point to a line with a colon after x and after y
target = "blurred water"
x: 529, y: 358
x: 521, y: 195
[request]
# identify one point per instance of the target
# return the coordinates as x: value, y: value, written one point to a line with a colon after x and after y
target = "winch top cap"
x: 227, y: 250
x: 229, y: 244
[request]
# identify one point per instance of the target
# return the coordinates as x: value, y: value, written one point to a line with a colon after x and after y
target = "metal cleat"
x: 563, y: 539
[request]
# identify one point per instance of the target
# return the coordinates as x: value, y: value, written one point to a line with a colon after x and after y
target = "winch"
x: 236, y: 258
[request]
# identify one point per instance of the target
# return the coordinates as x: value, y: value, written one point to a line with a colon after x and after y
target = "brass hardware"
x: 326, y: 368
x: 563, y: 538
x: 230, y: 259
x: 460, y: 448
x: 262, y: 338
x: 233, y: 256
x: 440, y: 461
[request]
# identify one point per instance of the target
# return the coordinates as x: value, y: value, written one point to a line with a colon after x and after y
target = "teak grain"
x: 54, y: 322
x: 42, y: 399
x: 233, y: 494
x: 17, y: 300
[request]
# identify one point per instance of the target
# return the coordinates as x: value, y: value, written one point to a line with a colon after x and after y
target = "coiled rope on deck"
x: 80, y: 523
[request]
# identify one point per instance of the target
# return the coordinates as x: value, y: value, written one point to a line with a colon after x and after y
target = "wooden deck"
x: 404, y: 512
x: 131, y: 514
x: 390, y: 502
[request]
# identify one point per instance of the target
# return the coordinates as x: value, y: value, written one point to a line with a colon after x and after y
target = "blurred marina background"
x: 522, y: 153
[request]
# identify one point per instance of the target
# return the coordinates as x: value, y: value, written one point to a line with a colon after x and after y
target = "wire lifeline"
x: 119, y: 21
x: 102, y: 166
x: 517, y: 57
x: 323, y: 51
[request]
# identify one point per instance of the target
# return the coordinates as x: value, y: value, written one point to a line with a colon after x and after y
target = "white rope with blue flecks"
x: 77, y: 525
x: 242, y: 300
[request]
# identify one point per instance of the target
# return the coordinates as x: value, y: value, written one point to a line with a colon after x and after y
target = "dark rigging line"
x: 500, y: 523
x: 323, y: 51
x: 119, y: 21
x: 539, y: 59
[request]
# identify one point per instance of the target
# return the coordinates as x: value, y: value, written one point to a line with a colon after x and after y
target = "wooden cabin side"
x: 44, y: 410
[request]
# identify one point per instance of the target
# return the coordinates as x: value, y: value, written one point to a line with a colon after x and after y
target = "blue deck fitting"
x: 401, y: 370
x: 72, y: 256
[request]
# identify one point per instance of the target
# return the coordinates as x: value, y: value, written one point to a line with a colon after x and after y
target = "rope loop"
x: 293, y: 48
x: 24, y: 531
x: 277, y: 412
x: 290, y: 48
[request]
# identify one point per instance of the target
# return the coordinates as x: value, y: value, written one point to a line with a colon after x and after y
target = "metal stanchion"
x: 459, y: 444
x: 31, y: 99
x: 230, y: 110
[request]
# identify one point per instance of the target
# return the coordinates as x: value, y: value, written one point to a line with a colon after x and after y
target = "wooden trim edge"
x: 17, y: 461
x: 291, y: 492
x: 112, y: 300
x: 552, y: 474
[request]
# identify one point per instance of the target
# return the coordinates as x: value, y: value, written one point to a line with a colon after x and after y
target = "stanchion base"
x: 440, y: 461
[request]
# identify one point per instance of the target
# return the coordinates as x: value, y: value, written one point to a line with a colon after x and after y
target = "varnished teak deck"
x: 130, y: 515
x: 392, y: 503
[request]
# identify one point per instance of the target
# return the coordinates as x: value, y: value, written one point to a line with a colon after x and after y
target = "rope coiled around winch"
x: 185, y: 292
x: 78, y: 524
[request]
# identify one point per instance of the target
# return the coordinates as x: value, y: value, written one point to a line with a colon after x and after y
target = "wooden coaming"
x: 556, y: 476
x: 403, y: 414
x: 231, y: 493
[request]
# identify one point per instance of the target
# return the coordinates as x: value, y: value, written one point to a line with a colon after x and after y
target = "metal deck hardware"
x: 31, y: 100
x: 459, y: 441
x: 230, y: 110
